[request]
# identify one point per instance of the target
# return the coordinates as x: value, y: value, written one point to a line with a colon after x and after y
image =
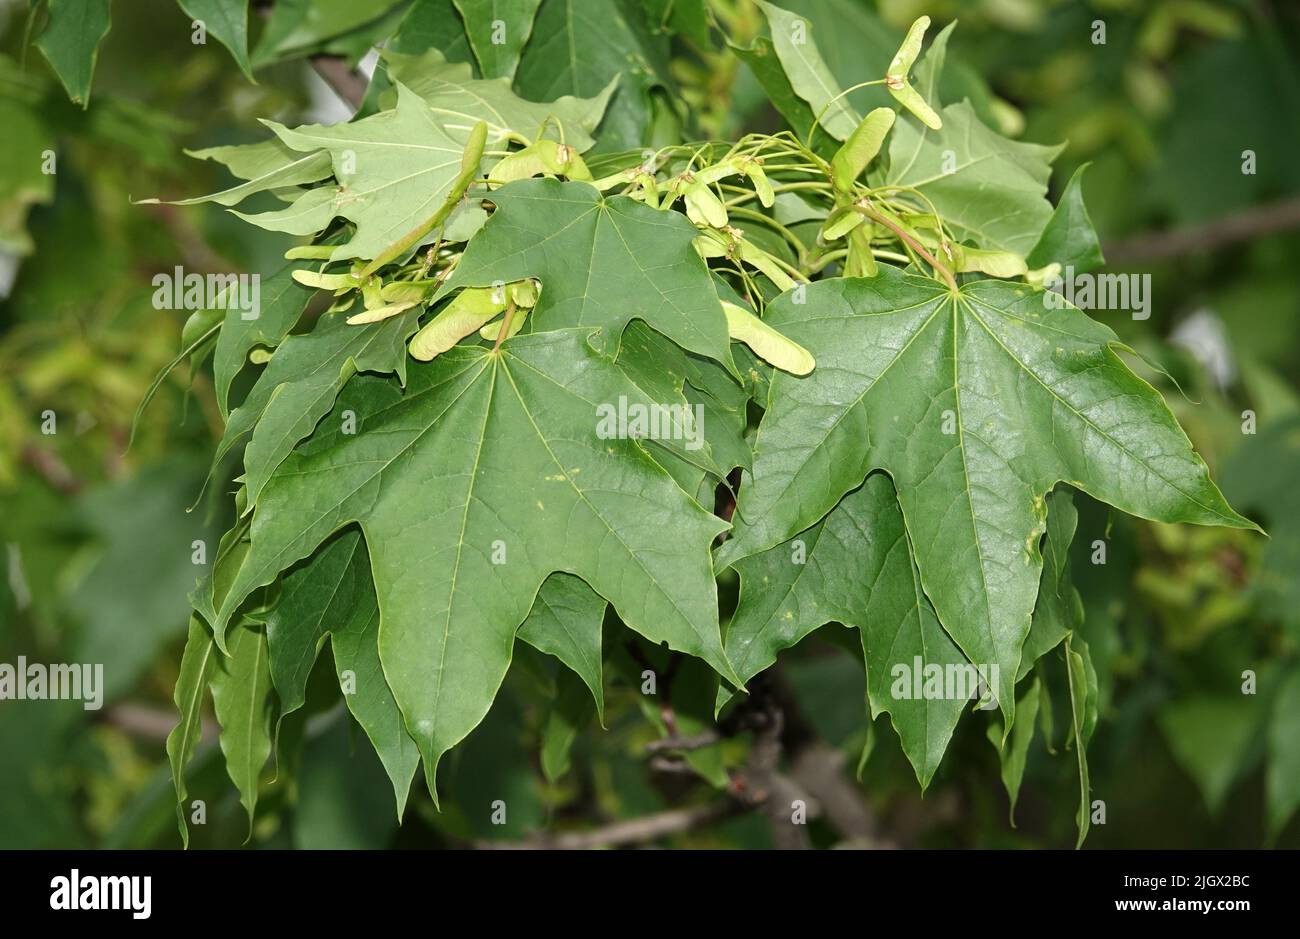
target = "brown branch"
x: 624, y: 833
x: 774, y: 794
x: 347, y: 83
x: 334, y: 70
x: 50, y: 466
x: 671, y: 765
x: 149, y: 723
x: 696, y: 742
x: 1251, y: 223
x: 818, y: 768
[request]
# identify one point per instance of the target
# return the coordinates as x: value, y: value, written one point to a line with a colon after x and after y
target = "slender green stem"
x: 911, y: 243
x: 818, y: 119
x: 772, y: 224
x: 749, y: 195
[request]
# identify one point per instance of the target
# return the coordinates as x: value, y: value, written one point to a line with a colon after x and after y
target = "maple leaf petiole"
x: 505, y: 324
x: 911, y: 243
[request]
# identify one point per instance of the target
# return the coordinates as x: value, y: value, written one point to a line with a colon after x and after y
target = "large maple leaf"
x: 856, y: 567
x: 483, y: 477
x: 976, y: 403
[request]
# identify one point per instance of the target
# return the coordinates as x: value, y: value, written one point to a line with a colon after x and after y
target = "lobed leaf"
x: 485, y: 453
x: 995, y: 398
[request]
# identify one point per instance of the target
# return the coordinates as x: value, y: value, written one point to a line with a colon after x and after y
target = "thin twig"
x: 1251, y: 223
x: 149, y: 723
x: 52, y: 469
x: 345, y: 81
x: 629, y: 832
x: 774, y: 794
x: 333, y: 69
x: 819, y: 768
x: 696, y: 742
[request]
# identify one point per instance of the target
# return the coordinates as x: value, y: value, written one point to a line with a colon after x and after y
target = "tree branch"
x: 333, y: 69
x: 149, y: 723
x: 50, y: 466
x: 1251, y: 223
x: 629, y: 832
x: 774, y: 794
x: 818, y: 768
x: 347, y: 83
x: 697, y: 742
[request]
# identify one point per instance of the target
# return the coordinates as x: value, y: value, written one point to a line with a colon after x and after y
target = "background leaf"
x: 71, y: 41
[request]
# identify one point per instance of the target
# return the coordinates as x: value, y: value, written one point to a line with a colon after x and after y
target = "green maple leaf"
x: 432, y: 24
x: 1082, y: 678
x: 569, y: 713
x: 227, y: 22
x: 197, y: 662
x: 1057, y: 614
x: 853, y: 567
x: 268, y: 164
x: 987, y: 188
x: 394, y: 169
x: 488, y: 456
x: 766, y: 66
x: 1013, y: 754
x: 808, y: 73
x: 310, y: 212
x: 240, y: 682
x: 668, y: 374
x: 282, y: 301
x: 458, y: 100
x: 977, y: 404
x: 332, y: 597
x: 1059, y: 610
x: 1069, y: 239
x: 603, y: 261
x: 298, y: 24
